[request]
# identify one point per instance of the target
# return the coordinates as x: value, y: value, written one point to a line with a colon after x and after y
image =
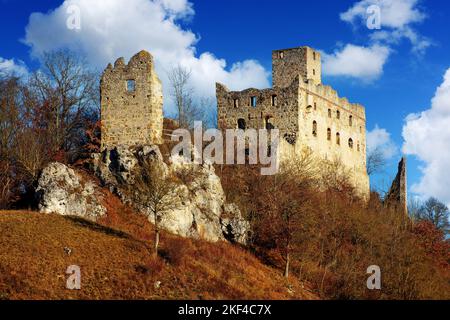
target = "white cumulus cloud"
x: 380, y: 139
x: 12, y: 67
x: 365, y: 63
x: 427, y: 136
x: 397, y: 18
x: 394, y: 13
x: 114, y: 28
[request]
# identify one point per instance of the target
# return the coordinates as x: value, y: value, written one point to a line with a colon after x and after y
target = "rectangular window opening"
x: 131, y: 85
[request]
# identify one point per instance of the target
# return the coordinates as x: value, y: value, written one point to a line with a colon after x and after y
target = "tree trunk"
x: 156, y: 243
x: 286, y: 270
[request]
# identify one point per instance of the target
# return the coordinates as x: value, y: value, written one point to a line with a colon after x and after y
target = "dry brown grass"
x: 115, y: 261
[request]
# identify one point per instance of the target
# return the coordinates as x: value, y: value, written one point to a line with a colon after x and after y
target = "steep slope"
x: 116, y: 263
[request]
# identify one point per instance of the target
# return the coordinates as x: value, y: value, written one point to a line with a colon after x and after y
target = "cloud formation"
x: 364, y: 63
x: 110, y: 29
x: 380, y: 139
x: 395, y: 14
x: 12, y: 67
x: 397, y: 19
x: 427, y: 136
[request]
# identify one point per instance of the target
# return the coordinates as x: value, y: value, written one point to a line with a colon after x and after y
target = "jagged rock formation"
x: 397, y: 196
x: 202, y: 211
x: 63, y: 191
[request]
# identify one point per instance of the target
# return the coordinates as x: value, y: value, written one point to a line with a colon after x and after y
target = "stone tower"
x: 308, y: 114
x: 131, y: 103
x: 287, y: 64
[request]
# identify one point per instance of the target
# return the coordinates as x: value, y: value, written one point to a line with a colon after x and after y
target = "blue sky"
x: 412, y: 61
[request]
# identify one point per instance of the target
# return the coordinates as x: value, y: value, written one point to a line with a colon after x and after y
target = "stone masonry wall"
x: 335, y: 130
x: 131, y: 103
x: 307, y: 113
x: 276, y: 107
x: 288, y: 64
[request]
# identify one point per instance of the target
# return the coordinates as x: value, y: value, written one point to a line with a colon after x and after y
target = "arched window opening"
x: 236, y: 103
x: 329, y: 113
x: 350, y: 143
x: 350, y: 121
x: 274, y: 100
x: 314, y: 130
x: 309, y: 109
x: 329, y: 134
x: 241, y: 124
x: 338, y: 138
x: 338, y: 114
x: 269, y: 125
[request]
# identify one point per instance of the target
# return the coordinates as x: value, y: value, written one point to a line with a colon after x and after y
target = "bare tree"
x: 414, y: 206
x: 9, y: 114
x: 208, y: 111
x: 10, y: 127
x: 435, y: 212
x: 375, y: 161
x: 183, y: 95
x: 69, y: 93
x: 282, y: 202
x: 154, y: 190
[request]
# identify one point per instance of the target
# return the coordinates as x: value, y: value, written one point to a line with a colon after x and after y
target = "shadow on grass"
x: 97, y: 227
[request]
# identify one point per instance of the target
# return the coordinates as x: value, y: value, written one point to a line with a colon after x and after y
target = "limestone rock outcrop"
x: 63, y: 191
x: 202, y: 211
x: 234, y: 227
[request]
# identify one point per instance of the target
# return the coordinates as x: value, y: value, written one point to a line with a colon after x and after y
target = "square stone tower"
x: 131, y: 103
x: 287, y: 64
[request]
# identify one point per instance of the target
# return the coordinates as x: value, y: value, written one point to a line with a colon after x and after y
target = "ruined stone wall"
x: 308, y: 114
x: 397, y: 196
x: 334, y: 129
x: 288, y: 64
x: 131, y: 103
x: 276, y: 108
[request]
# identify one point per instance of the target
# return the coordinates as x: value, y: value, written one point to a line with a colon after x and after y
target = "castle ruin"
x: 397, y: 196
x: 307, y: 113
x: 131, y: 103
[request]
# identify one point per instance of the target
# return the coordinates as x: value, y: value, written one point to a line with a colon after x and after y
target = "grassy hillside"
x: 116, y: 263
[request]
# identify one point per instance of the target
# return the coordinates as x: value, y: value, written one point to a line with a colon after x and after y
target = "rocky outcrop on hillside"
x: 201, y: 210
x: 63, y: 191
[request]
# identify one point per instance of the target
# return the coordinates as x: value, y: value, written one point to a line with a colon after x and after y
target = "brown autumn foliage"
x: 46, y: 117
x: 334, y: 236
x: 156, y: 192
x: 115, y: 257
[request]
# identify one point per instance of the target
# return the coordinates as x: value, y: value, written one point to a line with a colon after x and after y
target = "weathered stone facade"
x: 397, y: 196
x: 307, y: 113
x: 131, y: 103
